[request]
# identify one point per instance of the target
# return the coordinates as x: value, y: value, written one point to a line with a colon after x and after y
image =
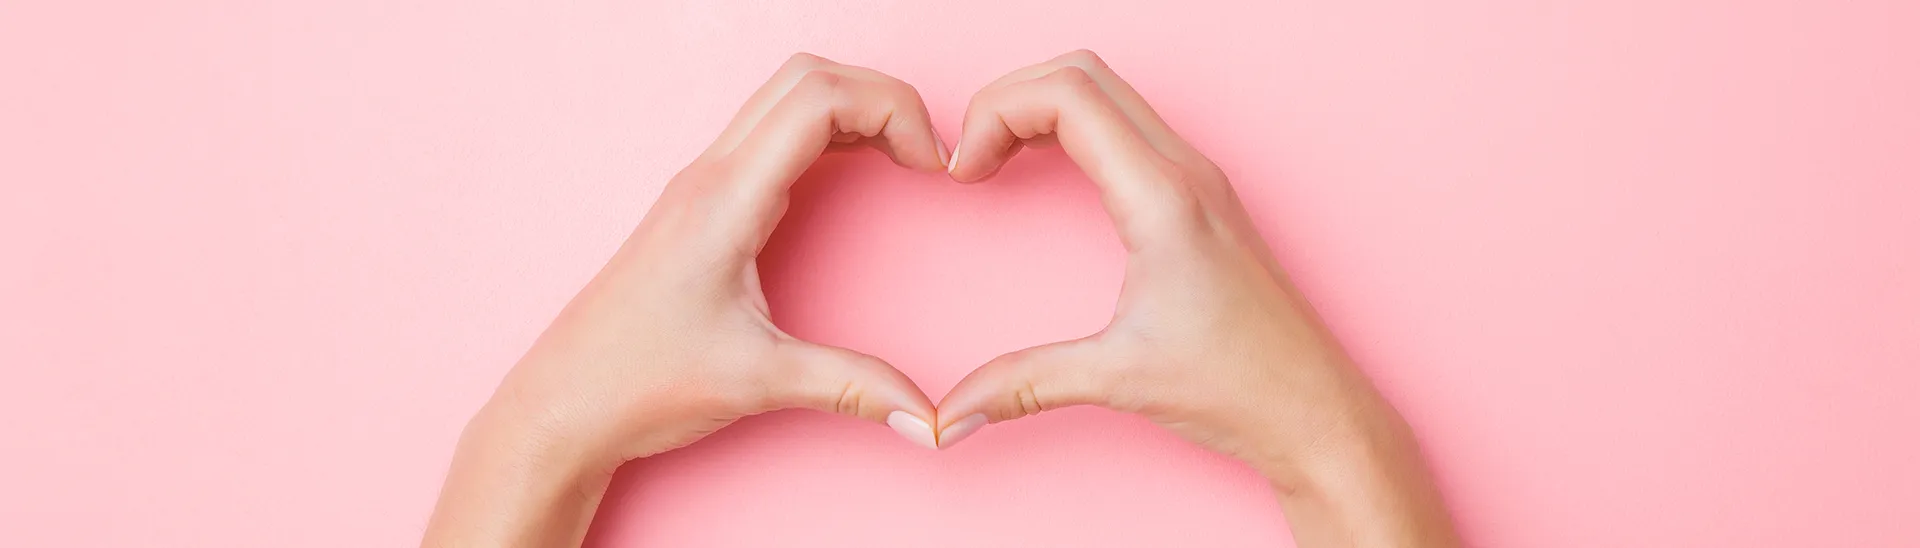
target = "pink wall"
x: 1640, y: 273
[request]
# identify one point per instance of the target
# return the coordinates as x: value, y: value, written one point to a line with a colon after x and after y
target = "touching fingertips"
x: 954, y: 161
x: 941, y: 144
x: 960, y: 429
x: 912, y: 428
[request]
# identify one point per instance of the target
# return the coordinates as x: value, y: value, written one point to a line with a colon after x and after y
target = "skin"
x: 672, y: 340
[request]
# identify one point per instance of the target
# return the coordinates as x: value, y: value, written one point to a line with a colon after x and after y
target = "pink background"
x: 1640, y: 273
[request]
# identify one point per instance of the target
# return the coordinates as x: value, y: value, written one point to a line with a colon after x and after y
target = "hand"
x: 1209, y: 338
x: 672, y: 340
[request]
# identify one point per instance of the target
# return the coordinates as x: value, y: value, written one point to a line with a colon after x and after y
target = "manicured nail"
x: 960, y: 429
x: 912, y: 428
x: 954, y: 161
x: 942, y: 143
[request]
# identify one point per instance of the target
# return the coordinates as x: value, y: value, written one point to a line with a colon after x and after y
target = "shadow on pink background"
x: 1640, y: 273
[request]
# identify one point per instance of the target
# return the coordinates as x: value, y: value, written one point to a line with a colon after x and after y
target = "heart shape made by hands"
x: 1193, y: 258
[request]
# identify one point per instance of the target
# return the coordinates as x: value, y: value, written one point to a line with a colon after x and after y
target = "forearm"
x: 512, y: 485
x: 1365, y: 485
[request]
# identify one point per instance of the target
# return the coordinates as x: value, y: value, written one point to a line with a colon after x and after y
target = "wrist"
x: 511, y: 434
x: 1364, y: 480
x: 1351, y: 442
x: 513, y: 483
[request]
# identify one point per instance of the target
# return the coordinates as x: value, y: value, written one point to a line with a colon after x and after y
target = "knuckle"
x: 1183, y: 232
x: 1070, y: 75
x: 803, y: 61
x: 1071, y: 83
x: 694, y: 191
x: 902, y: 93
x: 1084, y: 58
x: 1206, y: 172
x: 718, y: 192
x: 1022, y: 394
x: 721, y: 169
x: 984, y: 99
x: 817, y: 82
x: 846, y: 400
x: 1172, y: 202
x: 1026, y: 401
x: 1182, y: 190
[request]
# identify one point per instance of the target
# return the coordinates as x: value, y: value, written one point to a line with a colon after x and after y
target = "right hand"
x: 1209, y: 338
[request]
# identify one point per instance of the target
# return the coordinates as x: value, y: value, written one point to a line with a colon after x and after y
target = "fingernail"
x: 954, y: 161
x: 912, y: 428
x: 960, y: 429
x: 942, y: 143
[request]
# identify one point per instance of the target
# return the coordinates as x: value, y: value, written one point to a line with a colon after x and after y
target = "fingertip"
x: 953, y: 164
x: 914, y: 429
x: 929, y: 163
x: 982, y: 392
x: 953, y: 433
x: 918, y: 147
x: 979, y: 166
x: 946, y: 162
x: 976, y: 173
x: 914, y: 145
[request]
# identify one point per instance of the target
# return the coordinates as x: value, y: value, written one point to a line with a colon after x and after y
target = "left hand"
x: 673, y: 340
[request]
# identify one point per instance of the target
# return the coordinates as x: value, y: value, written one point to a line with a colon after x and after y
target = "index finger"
x: 1145, y: 192
x: 1134, y: 106
x: 785, y: 80
x: 792, y: 133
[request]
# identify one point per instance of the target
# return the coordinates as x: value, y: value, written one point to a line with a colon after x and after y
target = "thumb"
x: 837, y: 380
x: 1023, y: 383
